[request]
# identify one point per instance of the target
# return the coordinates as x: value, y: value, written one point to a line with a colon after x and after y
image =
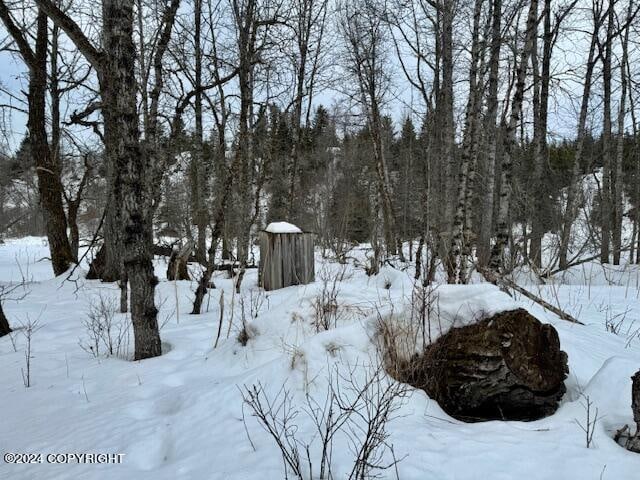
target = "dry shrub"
x: 401, y: 339
x: 107, y: 331
x: 325, y: 305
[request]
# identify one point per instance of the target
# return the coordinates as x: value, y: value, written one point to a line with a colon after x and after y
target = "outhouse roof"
x: 282, y: 227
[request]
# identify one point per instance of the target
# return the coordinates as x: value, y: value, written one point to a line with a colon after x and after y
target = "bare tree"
x: 491, y: 136
x: 460, y: 235
x: 308, y: 24
x: 364, y: 32
x: 129, y: 166
x: 607, y: 144
x: 503, y: 226
x: 48, y: 166
x: 618, y: 205
x: 574, y: 185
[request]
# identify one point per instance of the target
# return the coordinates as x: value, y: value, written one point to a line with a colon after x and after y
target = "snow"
x: 282, y: 227
x: 181, y: 415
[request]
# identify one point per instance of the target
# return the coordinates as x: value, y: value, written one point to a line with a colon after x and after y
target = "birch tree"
x: 618, y: 204
x: 607, y: 144
x: 459, y: 240
x: 502, y: 221
x: 491, y: 136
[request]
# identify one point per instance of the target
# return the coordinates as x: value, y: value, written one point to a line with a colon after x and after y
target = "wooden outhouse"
x: 286, y: 256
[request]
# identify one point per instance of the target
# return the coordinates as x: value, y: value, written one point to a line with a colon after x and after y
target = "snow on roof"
x: 282, y: 227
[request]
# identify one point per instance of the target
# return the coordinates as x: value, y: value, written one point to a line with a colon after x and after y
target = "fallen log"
x: 167, y: 251
x: 230, y: 267
x: 506, y: 283
x: 506, y: 367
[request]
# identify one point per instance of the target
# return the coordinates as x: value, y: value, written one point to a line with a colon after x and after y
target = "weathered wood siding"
x: 286, y: 259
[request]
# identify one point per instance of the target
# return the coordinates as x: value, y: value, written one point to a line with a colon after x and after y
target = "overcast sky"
x: 569, y: 56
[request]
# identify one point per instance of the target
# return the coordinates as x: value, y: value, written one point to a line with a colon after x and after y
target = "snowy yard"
x: 181, y: 415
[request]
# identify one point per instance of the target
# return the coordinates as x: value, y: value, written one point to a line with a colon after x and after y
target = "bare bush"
x: 247, y: 331
x: 28, y: 330
x: 339, y: 247
x: 325, y: 304
x: 107, y: 331
x: 356, y: 410
x: 401, y: 338
x: 258, y: 299
x: 589, y: 425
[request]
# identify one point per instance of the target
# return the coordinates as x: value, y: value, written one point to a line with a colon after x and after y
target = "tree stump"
x: 507, y: 367
x: 177, y: 267
x: 97, y: 266
x: 634, y: 442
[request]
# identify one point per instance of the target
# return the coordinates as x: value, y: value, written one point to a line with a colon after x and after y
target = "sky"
x: 401, y: 100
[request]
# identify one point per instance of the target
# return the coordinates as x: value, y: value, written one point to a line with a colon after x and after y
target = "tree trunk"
x: 486, y: 227
x: 302, y: 32
x: 540, y: 144
x: 575, y: 183
x: 198, y: 171
x: 634, y: 442
x: 72, y: 216
x: 5, y: 329
x: 445, y: 109
x: 47, y: 165
x: 459, y: 244
x: 178, y: 262
x: 606, y: 191
x: 636, y: 155
x: 48, y: 169
x: 618, y: 205
x: 128, y: 232
x: 503, y: 227
x: 131, y: 172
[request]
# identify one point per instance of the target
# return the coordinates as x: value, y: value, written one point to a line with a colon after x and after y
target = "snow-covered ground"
x: 180, y: 416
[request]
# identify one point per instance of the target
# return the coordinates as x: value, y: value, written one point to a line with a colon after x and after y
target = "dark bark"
x: 5, y: 329
x: 47, y: 165
x: 507, y: 367
x: 74, y: 232
x: 128, y: 229
x: 73, y: 205
x: 131, y: 170
x: 48, y: 168
x: 96, y: 267
x: 178, y: 261
x: 633, y: 443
